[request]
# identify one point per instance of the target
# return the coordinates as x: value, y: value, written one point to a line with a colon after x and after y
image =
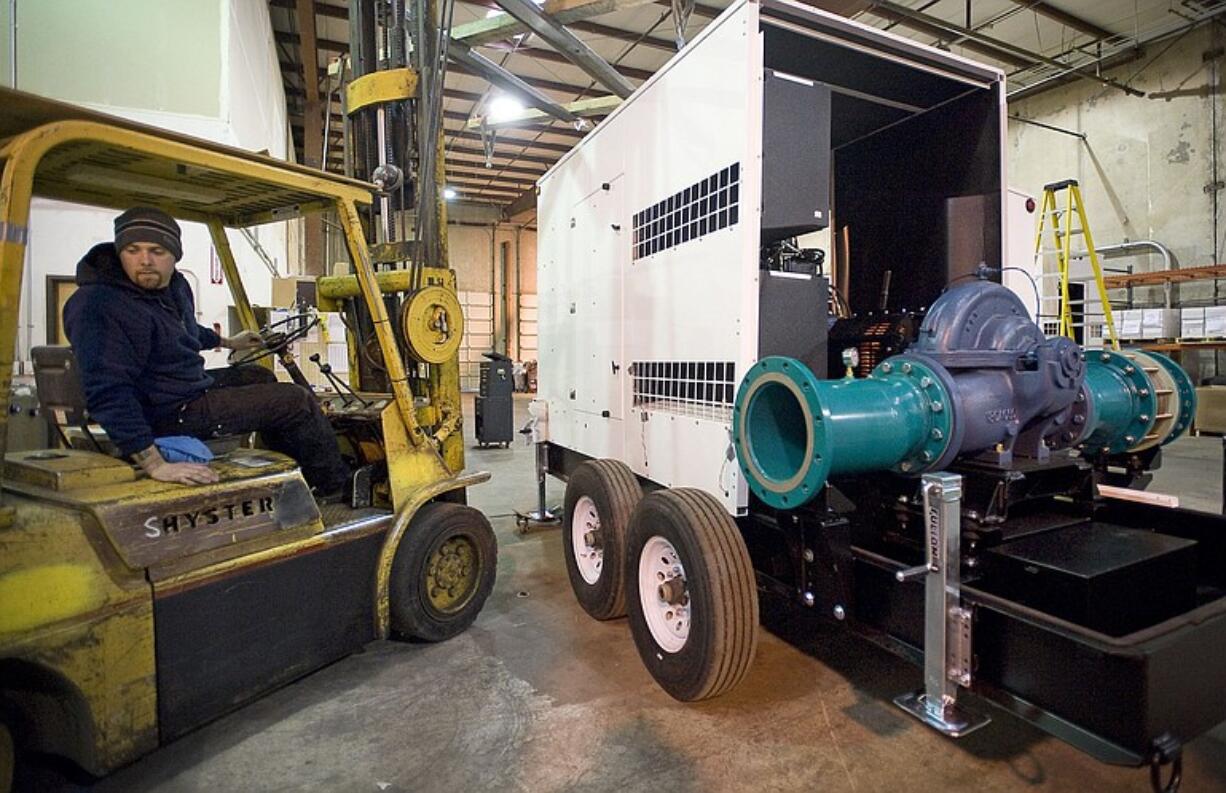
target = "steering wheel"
x: 277, y: 337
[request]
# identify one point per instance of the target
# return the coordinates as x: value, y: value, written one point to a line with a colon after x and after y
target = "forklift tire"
x: 693, y: 600
x: 442, y: 573
x: 600, y: 497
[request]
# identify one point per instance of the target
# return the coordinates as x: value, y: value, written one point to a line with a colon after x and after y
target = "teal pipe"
x: 1122, y: 403
x: 792, y: 430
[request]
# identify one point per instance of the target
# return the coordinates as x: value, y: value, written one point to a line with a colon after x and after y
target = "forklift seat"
x: 61, y: 400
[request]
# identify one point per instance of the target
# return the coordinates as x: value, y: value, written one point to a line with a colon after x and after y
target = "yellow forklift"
x: 132, y: 610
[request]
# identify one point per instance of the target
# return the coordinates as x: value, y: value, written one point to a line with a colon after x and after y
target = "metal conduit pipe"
x: 1129, y: 248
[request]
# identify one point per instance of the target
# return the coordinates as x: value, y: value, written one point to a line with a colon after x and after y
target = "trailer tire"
x: 600, y: 496
x: 442, y: 573
x: 696, y: 632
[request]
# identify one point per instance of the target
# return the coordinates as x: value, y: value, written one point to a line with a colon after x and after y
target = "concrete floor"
x: 538, y: 697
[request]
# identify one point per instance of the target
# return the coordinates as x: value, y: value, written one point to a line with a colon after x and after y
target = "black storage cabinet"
x: 495, y: 409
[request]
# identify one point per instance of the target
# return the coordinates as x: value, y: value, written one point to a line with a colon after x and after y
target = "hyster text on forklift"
x: 735, y: 414
x: 133, y: 610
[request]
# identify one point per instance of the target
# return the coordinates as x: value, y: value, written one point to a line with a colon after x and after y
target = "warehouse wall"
x: 204, y: 68
x: 1147, y: 164
x: 505, y: 322
x: 154, y: 54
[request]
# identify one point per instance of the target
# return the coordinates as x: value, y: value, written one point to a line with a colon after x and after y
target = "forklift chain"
x: 1166, y: 750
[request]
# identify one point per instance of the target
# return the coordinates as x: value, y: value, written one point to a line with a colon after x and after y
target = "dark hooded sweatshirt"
x: 138, y: 350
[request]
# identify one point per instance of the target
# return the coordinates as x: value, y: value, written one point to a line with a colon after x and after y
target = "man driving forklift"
x: 134, y: 333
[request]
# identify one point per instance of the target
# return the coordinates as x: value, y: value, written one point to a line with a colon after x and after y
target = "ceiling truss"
x: 572, y: 50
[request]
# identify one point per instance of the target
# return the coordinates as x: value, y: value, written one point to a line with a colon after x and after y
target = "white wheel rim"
x: 669, y: 623
x: 589, y: 557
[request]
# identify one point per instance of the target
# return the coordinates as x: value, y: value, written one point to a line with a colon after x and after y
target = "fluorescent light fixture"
x: 503, y: 108
x: 449, y: 193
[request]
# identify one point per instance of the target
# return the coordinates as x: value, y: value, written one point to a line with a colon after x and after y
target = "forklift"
x: 133, y: 611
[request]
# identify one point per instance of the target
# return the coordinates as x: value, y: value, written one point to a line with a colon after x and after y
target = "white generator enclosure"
x: 666, y: 267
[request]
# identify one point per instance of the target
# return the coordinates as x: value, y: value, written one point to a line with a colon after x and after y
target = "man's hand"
x: 246, y: 340
x: 184, y: 473
x: 155, y: 465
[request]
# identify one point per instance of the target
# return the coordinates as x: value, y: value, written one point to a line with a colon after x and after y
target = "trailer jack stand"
x: 947, y: 626
x: 542, y: 515
x: 1166, y: 751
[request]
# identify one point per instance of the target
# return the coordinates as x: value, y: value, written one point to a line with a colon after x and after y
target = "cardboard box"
x: 1128, y: 325
x: 321, y: 340
x: 293, y: 292
x: 1192, y: 323
x: 1211, y: 409
x: 1215, y: 322
x: 1159, y: 323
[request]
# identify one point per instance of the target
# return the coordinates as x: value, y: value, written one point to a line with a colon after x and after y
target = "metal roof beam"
x: 710, y: 12
x: 546, y: 128
x: 502, y: 144
x: 1003, y: 46
x: 524, y: 205
x: 500, y: 77
x: 304, y: 12
x: 622, y: 34
x: 503, y: 139
x: 535, y: 53
x: 490, y: 181
x: 479, y: 152
x: 571, y: 13
x: 452, y: 160
x: 455, y: 93
x: 588, y: 108
x: 467, y: 96
x: 536, y: 82
x: 930, y: 29
x: 1065, y: 18
x: 568, y: 45
x: 539, y: 54
x: 504, y: 193
x: 511, y: 190
x: 329, y: 45
x: 564, y: 12
x: 1119, y: 59
x: 505, y: 173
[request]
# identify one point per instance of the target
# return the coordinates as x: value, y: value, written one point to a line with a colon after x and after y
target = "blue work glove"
x: 183, y: 449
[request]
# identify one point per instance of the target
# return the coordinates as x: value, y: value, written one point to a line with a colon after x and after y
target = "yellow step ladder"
x: 1062, y: 233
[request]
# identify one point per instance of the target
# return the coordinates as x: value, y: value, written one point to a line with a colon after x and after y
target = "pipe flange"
x: 1186, y: 392
x: 1078, y: 416
x: 1169, y: 404
x: 1145, y: 400
x: 936, y: 386
x: 765, y: 464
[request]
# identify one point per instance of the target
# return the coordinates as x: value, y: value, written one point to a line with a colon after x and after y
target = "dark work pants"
x: 246, y: 399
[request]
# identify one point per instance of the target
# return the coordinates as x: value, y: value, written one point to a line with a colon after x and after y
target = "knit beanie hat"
x: 146, y: 224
